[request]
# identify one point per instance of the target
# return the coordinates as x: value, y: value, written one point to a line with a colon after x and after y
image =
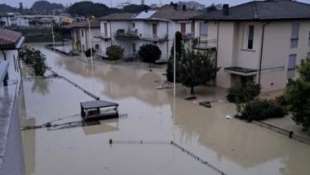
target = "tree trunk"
x: 192, y: 90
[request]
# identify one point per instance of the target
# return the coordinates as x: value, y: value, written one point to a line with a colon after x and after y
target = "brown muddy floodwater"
x: 232, y: 146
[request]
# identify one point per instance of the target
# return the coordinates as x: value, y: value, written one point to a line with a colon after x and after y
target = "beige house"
x: 85, y: 35
x: 262, y: 41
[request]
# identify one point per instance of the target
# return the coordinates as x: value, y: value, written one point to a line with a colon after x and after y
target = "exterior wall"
x: 144, y: 30
x: 276, y: 49
x: 81, y: 41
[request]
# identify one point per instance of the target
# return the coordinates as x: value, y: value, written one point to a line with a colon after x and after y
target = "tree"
x: 35, y: 59
x: 88, y: 8
x: 149, y: 53
x: 297, y: 96
x: 179, y: 51
x: 242, y: 94
x: 133, y: 8
x: 115, y: 52
x: 196, y: 68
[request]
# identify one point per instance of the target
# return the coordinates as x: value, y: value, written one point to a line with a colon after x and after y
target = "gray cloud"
x: 28, y: 3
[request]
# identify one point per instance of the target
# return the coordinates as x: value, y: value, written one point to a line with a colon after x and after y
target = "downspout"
x: 261, y: 54
x: 4, y: 54
x: 168, y: 40
x: 111, y: 33
x: 217, y: 47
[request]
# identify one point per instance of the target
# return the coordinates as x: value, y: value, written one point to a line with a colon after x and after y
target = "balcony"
x: 131, y: 34
x: 204, y: 44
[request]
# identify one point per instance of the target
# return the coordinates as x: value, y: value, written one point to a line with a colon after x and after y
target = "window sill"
x: 248, y: 50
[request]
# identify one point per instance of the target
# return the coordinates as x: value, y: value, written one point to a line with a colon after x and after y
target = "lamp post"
x: 174, y: 77
x: 90, y: 40
x: 53, y: 35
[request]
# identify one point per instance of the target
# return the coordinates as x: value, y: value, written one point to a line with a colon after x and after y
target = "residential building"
x: 10, y: 42
x: 158, y: 26
x: 85, y: 35
x: 262, y: 41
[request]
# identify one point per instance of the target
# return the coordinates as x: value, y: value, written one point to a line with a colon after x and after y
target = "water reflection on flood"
x: 233, y: 146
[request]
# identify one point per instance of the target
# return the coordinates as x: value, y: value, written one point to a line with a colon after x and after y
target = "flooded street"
x: 232, y: 146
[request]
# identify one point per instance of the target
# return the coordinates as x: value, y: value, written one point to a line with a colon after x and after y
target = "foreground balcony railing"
x: 4, y: 65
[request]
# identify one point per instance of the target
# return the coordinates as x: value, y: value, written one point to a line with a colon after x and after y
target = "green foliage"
x: 304, y: 70
x: 115, y: 52
x: 133, y: 8
x: 34, y: 58
x: 196, y: 69
x: 243, y: 93
x: 88, y: 8
x: 297, y: 96
x: 179, y: 51
x: 261, y: 110
x: 89, y: 53
x: 149, y: 53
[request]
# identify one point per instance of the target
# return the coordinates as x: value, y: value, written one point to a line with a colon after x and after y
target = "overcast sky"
x: 28, y: 3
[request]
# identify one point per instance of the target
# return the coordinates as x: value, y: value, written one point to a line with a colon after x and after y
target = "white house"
x: 10, y: 42
x: 259, y: 40
x: 131, y: 31
x: 85, y: 35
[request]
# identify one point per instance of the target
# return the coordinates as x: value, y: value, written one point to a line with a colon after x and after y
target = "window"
x: 193, y: 27
x: 308, y: 55
x: 97, y: 46
x: 134, y: 48
x: 154, y: 28
x: 82, y: 33
x: 250, y: 37
x: 291, y: 67
x: 183, y: 28
x: 203, y: 29
x: 105, y: 29
x: 295, y: 35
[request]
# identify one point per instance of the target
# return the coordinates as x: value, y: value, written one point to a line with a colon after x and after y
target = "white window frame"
x: 295, y: 35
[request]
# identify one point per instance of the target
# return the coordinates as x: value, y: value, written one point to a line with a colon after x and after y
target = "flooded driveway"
x: 231, y: 146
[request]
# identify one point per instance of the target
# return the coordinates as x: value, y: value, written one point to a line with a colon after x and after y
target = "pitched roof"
x: 262, y: 10
x: 118, y: 16
x: 83, y: 24
x: 174, y: 13
x: 9, y: 38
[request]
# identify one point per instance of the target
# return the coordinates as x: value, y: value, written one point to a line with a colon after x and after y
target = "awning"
x: 241, y: 71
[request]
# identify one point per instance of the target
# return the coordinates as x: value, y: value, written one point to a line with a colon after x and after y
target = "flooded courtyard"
x: 145, y: 128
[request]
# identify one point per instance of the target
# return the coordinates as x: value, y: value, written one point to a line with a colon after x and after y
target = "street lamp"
x: 90, y: 39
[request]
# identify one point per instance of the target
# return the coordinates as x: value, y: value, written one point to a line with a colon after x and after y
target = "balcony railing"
x: 122, y: 34
x: 203, y: 44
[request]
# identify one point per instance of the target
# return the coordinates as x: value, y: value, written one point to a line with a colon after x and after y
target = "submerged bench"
x: 99, y: 110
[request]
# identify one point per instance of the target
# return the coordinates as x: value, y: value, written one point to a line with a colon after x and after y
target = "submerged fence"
x: 282, y: 131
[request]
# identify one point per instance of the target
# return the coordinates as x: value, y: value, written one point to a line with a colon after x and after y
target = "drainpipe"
x: 4, y: 54
x: 167, y: 41
x: 111, y: 33
x: 217, y: 47
x: 261, y: 54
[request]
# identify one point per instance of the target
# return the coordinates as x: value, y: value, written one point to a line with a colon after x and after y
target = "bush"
x: 149, y: 53
x: 243, y: 94
x: 34, y: 58
x: 261, y: 110
x: 88, y: 52
x: 115, y: 52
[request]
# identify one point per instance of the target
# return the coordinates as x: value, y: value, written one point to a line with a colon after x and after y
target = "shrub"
x: 149, y: 53
x: 88, y: 52
x: 115, y: 52
x: 261, y: 110
x: 34, y: 58
x: 243, y: 94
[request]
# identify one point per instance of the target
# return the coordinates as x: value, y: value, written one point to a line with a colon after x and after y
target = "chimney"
x: 226, y: 9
